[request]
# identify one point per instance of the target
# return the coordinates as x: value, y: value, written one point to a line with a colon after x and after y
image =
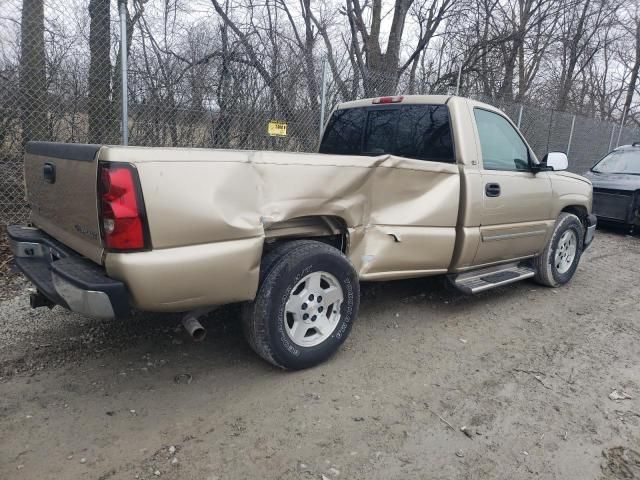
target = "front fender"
x: 570, y: 192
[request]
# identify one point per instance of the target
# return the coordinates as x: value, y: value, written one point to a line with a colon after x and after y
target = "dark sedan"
x: 616, y: 186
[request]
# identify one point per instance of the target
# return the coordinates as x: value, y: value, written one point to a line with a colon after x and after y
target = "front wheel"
x: 558, y: 262
x: 306, y: 303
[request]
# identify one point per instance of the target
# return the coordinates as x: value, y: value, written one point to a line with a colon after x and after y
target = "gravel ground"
x: 527, y: 371
x: 10, y: 282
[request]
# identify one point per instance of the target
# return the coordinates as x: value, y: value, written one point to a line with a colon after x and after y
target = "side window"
x: 344, y: 132
x: 502, y: 147
x: 424, y: 133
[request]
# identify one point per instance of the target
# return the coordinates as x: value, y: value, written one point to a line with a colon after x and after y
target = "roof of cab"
x: 406, y: 100
x: 416, y: 100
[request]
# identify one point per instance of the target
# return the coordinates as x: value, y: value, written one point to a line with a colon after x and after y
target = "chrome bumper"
x: 64, y: 277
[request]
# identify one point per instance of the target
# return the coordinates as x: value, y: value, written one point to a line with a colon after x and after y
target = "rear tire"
x: 557, y: 264
x: 307, y: 300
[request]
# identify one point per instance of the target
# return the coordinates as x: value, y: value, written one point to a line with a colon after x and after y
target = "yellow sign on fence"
x: 277, y: 129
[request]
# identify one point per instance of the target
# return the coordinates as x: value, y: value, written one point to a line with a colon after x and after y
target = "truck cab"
x: 508, y: 200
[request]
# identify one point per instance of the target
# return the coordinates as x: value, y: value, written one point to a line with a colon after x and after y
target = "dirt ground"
x: 527, y: 370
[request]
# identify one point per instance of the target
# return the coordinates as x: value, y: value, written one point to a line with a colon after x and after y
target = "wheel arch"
x: 329, y: 229
x: 579, y: 211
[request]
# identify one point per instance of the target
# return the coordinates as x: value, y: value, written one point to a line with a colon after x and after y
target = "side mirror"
x: 556, y: 161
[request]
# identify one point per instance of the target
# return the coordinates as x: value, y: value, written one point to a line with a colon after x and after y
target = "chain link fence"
x: 60, y: 80
x: 584, y: 140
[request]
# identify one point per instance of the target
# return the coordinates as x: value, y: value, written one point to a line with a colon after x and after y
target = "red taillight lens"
x: 395, y: 99
x: 123, y: 220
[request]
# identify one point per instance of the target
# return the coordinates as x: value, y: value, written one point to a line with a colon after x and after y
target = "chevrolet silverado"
x: 403, y: 186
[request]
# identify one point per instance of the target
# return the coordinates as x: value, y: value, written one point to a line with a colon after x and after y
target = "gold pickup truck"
x: 401, y: 187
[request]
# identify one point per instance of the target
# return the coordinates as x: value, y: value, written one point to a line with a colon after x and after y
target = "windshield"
x: 620, y: 161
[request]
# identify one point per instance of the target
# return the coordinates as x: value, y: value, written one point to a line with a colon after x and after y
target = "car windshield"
x: 620, y: 161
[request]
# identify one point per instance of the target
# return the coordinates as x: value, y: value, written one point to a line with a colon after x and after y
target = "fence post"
x: 624, y: 117
x: 122, y: 9
x: 613, y: 129
x: 323, y: 95
x: 520, y: 116
x: 549, y: 130
x: 573, y: 122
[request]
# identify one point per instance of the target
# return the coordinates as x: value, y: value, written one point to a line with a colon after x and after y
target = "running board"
x: 491, y: 277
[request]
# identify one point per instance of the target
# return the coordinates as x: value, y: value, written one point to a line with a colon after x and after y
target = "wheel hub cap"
x: 566, y: 251
x: 312, y: 311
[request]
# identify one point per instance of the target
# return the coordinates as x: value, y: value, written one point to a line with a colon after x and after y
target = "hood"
x: 614, y: 181
x: 575, y: 176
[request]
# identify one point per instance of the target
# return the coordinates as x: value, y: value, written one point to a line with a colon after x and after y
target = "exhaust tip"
x: 199, y: 334
x: 194, y: 328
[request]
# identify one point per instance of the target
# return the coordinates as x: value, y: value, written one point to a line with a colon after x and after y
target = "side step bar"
x: 491, y: 277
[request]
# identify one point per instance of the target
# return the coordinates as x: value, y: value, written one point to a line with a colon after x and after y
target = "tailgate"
x: 61, y: 182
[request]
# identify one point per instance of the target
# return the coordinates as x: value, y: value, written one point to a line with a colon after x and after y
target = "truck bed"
x: 214, y: 209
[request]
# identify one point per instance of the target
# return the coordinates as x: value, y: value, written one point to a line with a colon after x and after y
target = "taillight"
x: 394, y: 99
x: 122, y: 215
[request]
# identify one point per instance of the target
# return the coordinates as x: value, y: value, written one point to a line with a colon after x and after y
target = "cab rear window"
x: 421, y: 132
x: 343, y: 135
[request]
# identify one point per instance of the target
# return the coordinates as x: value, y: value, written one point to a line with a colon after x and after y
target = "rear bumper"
x: 592, y: 222
x: 66, y: 278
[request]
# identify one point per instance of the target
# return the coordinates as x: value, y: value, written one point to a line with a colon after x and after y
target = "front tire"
x: 558, y: 262
x: 307, y: 300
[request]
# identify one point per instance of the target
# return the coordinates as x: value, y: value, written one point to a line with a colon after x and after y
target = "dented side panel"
x: 400, y: 213
x: 383, y: 253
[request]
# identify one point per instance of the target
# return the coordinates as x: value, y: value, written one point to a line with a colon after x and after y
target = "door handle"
x: 49, y: 172
x: 492, y: 189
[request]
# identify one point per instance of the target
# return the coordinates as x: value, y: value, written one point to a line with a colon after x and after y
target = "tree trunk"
x: 574, y: 37
x: 412, y: 76
x: 381, y: 70
x: 100, y: 108
x: 383, y: 67
x: 222, y: 123
x: 33, y: 94
x: 506, y: 89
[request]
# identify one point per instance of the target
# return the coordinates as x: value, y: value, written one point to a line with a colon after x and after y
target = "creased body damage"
x: 400, y: 215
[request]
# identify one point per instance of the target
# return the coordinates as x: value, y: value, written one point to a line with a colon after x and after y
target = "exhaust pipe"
x: 193, y: 327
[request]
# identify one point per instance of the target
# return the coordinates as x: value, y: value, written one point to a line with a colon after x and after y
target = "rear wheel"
x: 559, y: 260
x: 306, y: 302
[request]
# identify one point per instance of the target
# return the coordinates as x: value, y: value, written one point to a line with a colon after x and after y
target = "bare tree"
x: 634, y: 31
x: 266, y: 71
x: 99, y: 96
x: 380, y: 70
x: 215, y: 77
x: 581, y: 38
x: 526, y: 23
x: 33, y: 94
x: 322, y: 24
